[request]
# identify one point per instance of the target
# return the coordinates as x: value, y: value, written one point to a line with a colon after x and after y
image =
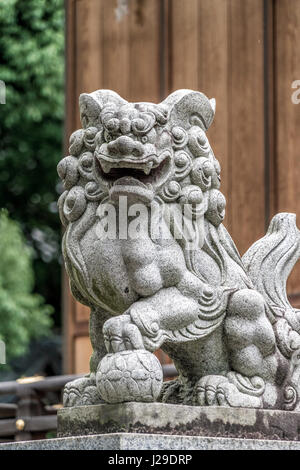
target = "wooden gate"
x: 246, y: 54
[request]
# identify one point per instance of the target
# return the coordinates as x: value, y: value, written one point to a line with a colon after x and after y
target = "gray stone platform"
x: 168, y: 419
x: 158, y: 426
x: 134, y: 441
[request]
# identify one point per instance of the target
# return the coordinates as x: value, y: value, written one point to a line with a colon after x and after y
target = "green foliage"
x: 23, y: 315
x: 31, y: 127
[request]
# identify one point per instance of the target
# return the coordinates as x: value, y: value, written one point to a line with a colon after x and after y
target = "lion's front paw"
x: 121, y: 334
x: 81, y: 391
x: 218, y: 390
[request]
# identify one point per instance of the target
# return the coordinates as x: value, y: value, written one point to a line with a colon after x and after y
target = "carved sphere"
x: 113, y: 125
x: 74, y: 204
x: 180, y: 137
x: 202, y: 172
x: 171, y: 191
x: 216, y: 207
x: 86, y: 165
x: 67, y: 171
x: 198, y: 142
x: 89, y: 137
x: 290, y: 397
x: 93, y: 192
x: 174, y: 187
x: 183, y: 164
x: 76, y: 141
x: 181, y: 160
x: 60, y: 203
x: 129, y: 376
x: 216, y: 180
x: 191, y: 195
x: 139, y: 124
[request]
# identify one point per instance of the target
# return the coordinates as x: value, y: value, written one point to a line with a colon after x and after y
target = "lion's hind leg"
x: 253, y: 356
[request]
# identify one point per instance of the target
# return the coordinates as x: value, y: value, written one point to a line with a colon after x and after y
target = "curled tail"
x: 268, y: 263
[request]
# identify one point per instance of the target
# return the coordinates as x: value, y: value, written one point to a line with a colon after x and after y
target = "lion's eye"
x: 144, y: 139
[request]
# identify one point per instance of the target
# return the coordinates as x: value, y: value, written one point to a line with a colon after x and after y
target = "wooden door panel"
x: 287, y: 118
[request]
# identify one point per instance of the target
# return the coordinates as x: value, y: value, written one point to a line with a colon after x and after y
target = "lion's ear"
x: 89, y: 111
x: 190, y: 108
x: 91, y: 104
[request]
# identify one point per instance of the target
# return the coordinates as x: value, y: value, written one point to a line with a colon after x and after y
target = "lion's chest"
x: 121, y: 271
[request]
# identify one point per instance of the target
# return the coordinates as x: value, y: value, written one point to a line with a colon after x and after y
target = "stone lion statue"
x: 224, y: 320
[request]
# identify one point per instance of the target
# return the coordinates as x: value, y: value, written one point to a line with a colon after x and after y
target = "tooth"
x: 105, y: 167
x: 148, y: 168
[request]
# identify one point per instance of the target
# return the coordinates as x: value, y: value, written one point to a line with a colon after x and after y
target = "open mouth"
x: 151, y: 171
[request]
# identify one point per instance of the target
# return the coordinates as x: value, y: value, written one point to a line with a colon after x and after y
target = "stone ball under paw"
x: 129, y: 376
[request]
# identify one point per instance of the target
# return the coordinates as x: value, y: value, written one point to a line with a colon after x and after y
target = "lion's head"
x: 143, y: 151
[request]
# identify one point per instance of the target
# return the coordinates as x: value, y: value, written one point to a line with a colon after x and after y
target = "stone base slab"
x: 133, y: 441
x: 168, y: 419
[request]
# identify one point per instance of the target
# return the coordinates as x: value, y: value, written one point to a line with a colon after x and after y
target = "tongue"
x: 129, y: 181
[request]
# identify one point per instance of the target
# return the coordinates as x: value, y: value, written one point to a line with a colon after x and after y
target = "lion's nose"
x: 125, y: 146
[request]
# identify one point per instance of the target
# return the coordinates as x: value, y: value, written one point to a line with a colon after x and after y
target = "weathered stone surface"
x: 158, y: 418
x: 142, y: 370
x: 146, y: 249
x: 123, y: 441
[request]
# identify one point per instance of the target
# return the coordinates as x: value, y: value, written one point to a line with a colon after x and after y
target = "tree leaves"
x: 23, y: 315
x: 31, y: 127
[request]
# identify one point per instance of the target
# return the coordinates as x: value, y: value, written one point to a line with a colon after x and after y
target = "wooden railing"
x: 29, y: 418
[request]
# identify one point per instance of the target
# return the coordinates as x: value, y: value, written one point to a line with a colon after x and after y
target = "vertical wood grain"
x: 116, y: 51
x: 246, y: 122
x: 70, y: 124
x: 184, y: 53
x: 144, y: 64
x: 213, y: 74
x: 287, y: 116
x: 89, y: 47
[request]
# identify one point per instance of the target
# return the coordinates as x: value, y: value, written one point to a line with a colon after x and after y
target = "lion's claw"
x: 121, y: 334
x: 217, y: 390
x: 80, y: 392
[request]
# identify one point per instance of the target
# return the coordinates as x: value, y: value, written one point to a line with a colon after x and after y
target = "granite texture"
x: 146, y: 249
x: 124, y: 441
x: 161, y: 418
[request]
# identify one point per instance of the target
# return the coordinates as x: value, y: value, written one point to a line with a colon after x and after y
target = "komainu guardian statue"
x: 146, y: 250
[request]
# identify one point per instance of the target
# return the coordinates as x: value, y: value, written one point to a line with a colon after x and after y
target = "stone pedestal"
x: 167, y: 419
x: 155, y: 442
x: 158, y: 426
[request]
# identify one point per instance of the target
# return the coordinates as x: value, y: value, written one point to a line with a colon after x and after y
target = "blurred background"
x: 245, y: 53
